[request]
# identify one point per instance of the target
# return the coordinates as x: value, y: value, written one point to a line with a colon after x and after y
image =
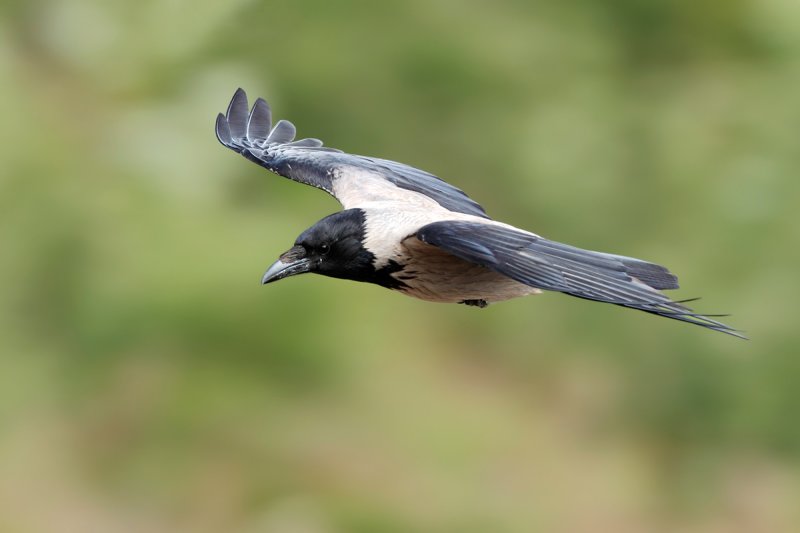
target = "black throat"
x: 348, y: 258
x: 383, y: 276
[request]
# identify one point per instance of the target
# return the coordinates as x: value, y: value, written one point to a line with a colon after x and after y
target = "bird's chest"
x: 428, y: 273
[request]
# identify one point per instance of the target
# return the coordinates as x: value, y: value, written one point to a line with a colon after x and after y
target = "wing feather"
x: 259, y: 123
x: 553, y: 266
x: 237, y: 115
x: 251, y: 134
x: 283, y: 132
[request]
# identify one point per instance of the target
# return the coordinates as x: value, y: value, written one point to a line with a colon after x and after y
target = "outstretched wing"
x: 351, y: 179
x: 553, y: 266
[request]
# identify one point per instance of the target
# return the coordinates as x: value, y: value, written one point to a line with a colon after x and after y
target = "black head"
x: 331, y: 247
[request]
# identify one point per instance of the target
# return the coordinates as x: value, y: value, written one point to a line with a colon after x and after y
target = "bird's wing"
x: 553, y: 266
x: 351, y: 179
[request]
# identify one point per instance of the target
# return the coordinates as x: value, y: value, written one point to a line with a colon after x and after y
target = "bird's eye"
x: 324, y: 248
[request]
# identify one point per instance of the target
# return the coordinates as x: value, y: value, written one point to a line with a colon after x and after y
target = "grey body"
x: 408, y: 230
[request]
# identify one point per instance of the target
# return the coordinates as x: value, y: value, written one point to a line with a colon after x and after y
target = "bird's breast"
x: 430, y: 274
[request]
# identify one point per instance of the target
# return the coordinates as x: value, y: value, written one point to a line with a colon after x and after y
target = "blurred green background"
x: 149, y: 383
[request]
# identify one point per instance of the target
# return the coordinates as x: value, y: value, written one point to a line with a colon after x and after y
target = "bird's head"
x: 331, y: 247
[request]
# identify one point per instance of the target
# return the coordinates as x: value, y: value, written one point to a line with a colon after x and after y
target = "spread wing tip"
x: 223, y: 130
x: 243, y: 127
x: 237, y: 114
x: 259, y: 122
x: 283, y: 132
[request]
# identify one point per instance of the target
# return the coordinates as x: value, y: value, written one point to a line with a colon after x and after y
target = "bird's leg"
x: 477, y: 303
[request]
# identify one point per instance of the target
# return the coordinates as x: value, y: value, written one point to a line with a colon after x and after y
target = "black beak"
x: 291, y: 263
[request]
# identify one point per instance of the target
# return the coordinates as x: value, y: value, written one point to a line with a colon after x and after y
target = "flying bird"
x: 407, y: 230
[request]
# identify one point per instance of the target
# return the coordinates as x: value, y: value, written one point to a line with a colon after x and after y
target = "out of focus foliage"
x: 148, y: 383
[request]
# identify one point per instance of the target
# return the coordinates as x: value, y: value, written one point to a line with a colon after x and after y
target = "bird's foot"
x: 477, y: 303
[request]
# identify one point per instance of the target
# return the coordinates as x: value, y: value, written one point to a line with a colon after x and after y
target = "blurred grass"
x: 147, y: 382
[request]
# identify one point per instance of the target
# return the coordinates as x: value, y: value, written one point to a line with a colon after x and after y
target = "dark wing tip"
x: 680, y: 312
x: 656, y: 276
x: 259, y: 123
x: 223, y: 130
x: 283, y: 132
x: 237, y: 114
x: 242, y: 127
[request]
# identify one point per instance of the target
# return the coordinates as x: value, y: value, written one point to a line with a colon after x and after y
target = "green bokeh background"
x: 149, y: 383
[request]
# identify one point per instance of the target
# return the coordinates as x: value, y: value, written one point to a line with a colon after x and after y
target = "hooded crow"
x: 410, y: 231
